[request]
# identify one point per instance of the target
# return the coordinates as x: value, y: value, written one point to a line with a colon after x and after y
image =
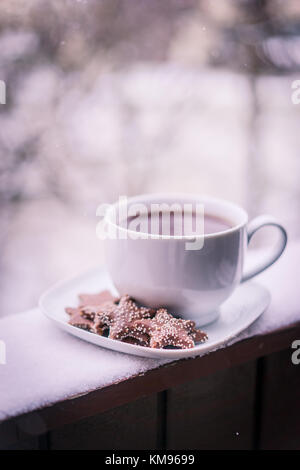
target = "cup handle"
x: 274, y: 253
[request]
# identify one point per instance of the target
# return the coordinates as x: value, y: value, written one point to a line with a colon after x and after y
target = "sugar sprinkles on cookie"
x: 122, y: 319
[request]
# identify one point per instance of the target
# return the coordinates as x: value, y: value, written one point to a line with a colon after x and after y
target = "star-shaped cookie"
x: 165, y: 330
x: 120, y: 316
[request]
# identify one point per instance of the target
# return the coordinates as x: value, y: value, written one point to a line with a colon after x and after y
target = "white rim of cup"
x: 155, y: 197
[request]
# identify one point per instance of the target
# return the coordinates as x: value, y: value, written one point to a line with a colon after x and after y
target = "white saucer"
x: 245, y: 305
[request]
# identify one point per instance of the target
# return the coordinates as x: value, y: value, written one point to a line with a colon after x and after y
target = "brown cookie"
x: 126, y: 321
x: 80, y: 322
x: 71, y: 310
x: 92, y: 311
x: 165, y: 330
x: 88, y: 312
x: 135, y: 341
x: 90, y: 303
x: 96, y: 299
x: 121, y: 316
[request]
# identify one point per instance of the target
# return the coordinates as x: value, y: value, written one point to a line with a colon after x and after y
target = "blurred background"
x: 120, y: 97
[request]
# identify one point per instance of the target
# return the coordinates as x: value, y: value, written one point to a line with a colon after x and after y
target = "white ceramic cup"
x: 191, y: 283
